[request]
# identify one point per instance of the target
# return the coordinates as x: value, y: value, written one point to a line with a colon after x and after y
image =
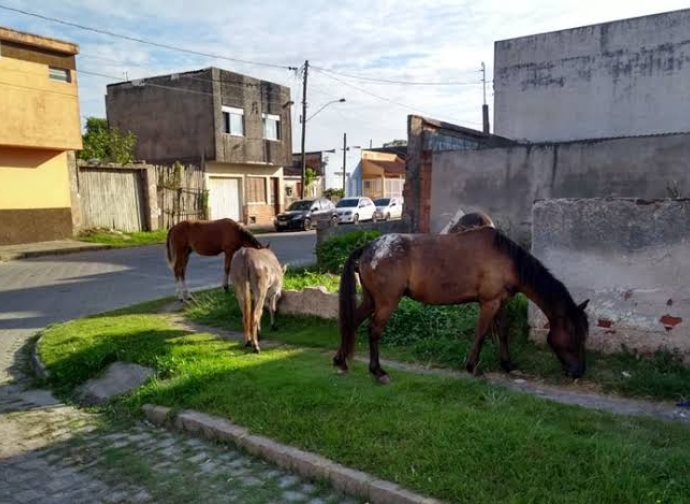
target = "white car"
x: 355, y: 209
x: 388, y: 208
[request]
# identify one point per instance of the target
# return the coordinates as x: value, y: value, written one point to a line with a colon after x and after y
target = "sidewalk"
x: 24, y: 250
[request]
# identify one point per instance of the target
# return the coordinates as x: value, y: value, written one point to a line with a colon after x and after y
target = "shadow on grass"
x: 500, y: 445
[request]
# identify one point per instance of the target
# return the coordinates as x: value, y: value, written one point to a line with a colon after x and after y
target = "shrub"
x: 331, y: 254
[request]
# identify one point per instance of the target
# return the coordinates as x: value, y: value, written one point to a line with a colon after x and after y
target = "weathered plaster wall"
x: 631, y: 258
x: 622, y: 78
x: 505, y: 182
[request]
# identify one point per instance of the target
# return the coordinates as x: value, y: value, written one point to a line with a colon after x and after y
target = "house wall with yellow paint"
x: 39, y: 107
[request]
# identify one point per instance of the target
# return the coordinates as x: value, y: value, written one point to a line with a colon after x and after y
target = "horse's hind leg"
x: 487, y: 311
x: 182, y: 258
x: 258, y: 310
x: 363, y: 311
x: 382, y: 312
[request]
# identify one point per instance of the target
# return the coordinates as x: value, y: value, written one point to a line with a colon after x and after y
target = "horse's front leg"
x: 502, y: 328
x: 487, y: 311
x: 226, y: 276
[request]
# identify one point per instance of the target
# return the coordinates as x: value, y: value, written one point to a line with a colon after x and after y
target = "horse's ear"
x: 583, y: 305
x: 284, y: 268
x: 268, y: 245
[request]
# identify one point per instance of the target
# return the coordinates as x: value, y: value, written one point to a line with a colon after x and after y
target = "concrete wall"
x: 171, y: 116
x: 36, y: 111
x: 504, y: 182
x: 631, y: 258
x: 34, y: 195
x: 255, y: 97
x: 613, y: 79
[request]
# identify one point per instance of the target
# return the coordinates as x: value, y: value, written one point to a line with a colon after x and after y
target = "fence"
x: 138, y: 197
x: 181, y: 194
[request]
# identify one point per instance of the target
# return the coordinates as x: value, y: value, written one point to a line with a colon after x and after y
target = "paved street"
x: 50, y: 452
x: 40, y: 291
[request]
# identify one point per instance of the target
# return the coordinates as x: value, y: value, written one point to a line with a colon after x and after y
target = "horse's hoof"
x: 341, y: 371
x: 469, y: 367
x: 507, y: 366
x: 274, y: 327
x: 226, y: 288
x: 383, y: 379
x: 247, y: 344
x: 257, y: 349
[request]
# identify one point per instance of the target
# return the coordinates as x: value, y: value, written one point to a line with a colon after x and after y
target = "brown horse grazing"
x: 471, y: 220
x: 206, y: 238
x: 257, y: 278
x: 481, y: 265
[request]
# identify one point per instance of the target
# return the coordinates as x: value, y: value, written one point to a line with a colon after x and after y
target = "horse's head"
x: 567, y: 337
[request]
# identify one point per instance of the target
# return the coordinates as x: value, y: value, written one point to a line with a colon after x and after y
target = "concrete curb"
x: 36, y: 362
x: 14, y: 256
x: 305, y: 464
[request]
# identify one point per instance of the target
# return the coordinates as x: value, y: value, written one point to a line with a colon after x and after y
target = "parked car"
x: 389, y: 208
x: 304, y: 214
x: 355, y: 209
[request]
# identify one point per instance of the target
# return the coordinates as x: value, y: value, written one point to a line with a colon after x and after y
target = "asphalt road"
x: 37, y: 292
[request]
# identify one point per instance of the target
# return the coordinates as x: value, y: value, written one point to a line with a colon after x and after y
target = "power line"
x: 2, y: 83
x: 141, y: 41
x: 398, y: 82
x: 375, y: 95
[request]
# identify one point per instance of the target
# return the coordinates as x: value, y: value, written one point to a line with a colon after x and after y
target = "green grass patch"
x: 442, y: 336
x: 460, y: 440
x: 299, y: 278
x: 124, y: 239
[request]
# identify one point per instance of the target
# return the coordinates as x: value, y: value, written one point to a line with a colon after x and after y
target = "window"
x: 233, y: 121
x: 271, y: 127
x: 59, y: 74
x: 256, y: 190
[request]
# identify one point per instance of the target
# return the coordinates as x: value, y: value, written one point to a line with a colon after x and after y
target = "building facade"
x: 623, y: 78
x: 237, y: 127
x: 39, y: 129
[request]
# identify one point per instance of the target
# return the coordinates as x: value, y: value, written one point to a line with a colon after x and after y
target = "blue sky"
x: 440, y: 41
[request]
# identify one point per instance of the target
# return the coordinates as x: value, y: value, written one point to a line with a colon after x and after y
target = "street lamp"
x: 304, y: 133
x: 342, y: 100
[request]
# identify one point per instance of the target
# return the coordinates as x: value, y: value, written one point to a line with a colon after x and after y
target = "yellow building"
x: 39, y: 126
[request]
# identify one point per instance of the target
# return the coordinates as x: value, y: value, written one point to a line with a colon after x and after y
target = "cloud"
x: 403, y: 40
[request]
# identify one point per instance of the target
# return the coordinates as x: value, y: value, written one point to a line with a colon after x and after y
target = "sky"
x: 346, y: 42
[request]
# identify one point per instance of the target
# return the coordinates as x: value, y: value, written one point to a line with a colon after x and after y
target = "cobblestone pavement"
x: 54, y: 453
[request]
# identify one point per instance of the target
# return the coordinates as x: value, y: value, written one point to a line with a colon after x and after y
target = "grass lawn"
x: 137, y: 238
x: 458, y: 440
x: 443, y: 336
x: 123, y: 239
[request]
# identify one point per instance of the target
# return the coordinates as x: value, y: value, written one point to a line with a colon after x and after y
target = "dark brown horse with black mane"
x: 480, y: 265
x: 471, y: 220
x: 207, y: 238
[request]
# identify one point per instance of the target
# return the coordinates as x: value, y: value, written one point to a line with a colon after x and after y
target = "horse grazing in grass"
x: 257, y: 278
x: 206, y: 238
x: 481, y: 265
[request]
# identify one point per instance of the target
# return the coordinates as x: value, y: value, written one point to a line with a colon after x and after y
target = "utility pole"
x: 485, y: 107
x: 344, y: 161
x: 304, y: 123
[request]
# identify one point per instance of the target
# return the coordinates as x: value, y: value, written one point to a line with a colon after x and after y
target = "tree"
x: 396, y: 143
x: 309, y: 176
x: 108, y: 145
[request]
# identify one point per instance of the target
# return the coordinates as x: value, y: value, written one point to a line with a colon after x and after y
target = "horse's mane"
x: 530, y: 271
x: 247, y: 237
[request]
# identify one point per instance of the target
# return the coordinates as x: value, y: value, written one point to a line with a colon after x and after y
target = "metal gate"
x: 224, y: 198
x: 112, y: 198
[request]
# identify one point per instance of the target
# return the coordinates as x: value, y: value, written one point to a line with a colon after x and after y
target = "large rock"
x: 117, y: 379
x: 316, y: 301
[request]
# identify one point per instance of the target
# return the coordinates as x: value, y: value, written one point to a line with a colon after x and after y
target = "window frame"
x: 227, y: 123
x: 66, y: 72
x: 272, y: 117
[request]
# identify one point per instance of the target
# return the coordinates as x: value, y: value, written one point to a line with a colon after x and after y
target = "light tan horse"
x: 206, y: 238
x: 257, y: 278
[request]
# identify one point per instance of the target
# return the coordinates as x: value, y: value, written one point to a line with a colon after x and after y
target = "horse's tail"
x: 248, y: 312
x: 169, y: 250
x: 348, y: 301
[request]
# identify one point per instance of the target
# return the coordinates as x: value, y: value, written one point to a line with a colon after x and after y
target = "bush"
x: 331, y: 254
